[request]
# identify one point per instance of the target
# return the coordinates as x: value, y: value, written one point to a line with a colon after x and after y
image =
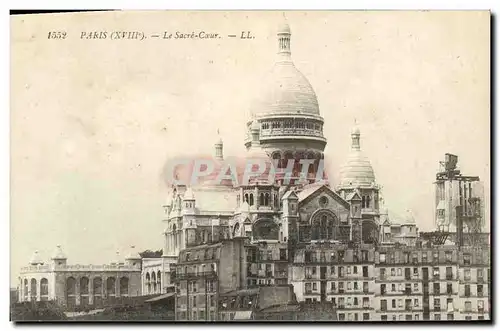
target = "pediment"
x: 324, y: 190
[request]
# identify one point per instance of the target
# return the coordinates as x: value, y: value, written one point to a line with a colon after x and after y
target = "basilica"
x: 261, y: 246
x: 285, y: 124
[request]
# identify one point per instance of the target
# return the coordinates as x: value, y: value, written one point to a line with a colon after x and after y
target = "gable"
x: 354, y: 196
x: 290, y: 195
x: 325, y: 191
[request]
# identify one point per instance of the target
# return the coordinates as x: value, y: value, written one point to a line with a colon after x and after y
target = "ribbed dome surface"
x: 285, y: 90
x: 357, y: 171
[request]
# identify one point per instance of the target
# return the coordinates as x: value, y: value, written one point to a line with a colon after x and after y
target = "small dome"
x: 133, y: 254
x: 284, y: 28
x: 35, y: 259
x: 357, y: 171
x: 58, y: 254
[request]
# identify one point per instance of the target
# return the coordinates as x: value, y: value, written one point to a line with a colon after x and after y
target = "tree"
x: 151, y: 254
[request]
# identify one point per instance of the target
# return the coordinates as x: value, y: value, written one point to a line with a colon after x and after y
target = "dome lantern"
x: 219, y: 147
x: 284, y: 34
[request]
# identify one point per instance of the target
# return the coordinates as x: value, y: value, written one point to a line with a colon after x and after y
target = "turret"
x: 133, y: 259
x: 59, y: 258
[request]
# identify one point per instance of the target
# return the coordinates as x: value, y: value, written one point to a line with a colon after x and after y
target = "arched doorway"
x: 44, y: 289
x: 124, y: 286
x: 84, y: 291
x: 71, y: 291
x: 111, y: 288
x: 33, y: 287
x: 148, y: 283
x: 98, y: 289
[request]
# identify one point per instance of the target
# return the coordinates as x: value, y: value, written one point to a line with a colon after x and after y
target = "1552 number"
x: 57, y: 35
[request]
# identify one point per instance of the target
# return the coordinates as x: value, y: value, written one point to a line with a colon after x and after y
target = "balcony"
x: 196, y: 275
x: 281, y: 274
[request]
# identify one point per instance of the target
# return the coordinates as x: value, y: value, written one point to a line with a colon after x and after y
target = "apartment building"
x: 336, y: 273
x: 431, y: 283
x: 474, y: 284
x: 202, y: 273
x: 267, y: 264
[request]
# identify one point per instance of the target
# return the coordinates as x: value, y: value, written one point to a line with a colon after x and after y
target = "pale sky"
x: 93, y: 121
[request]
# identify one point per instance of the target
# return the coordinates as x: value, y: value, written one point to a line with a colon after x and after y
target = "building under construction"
x: 459, y: 214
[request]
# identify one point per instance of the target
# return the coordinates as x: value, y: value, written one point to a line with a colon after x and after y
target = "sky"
x: 94, y: 121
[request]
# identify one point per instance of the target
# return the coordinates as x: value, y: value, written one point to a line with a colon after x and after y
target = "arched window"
x: 174, y: 233
x: 97, y: 285
x: 84, y: 291
x: 153, y: 281
x: 71, y: 291
x: 266, y: 199
x: 84, y: 285
x: 261, y: 200
x: 148, y: 283
x: 251, y: 199
x: 124, y: 286
x: 324, y: 225
x: 158, y: 280
x: 33, y: 289
x: 236, y: 230
x: 111, y: 286
x: 246, y: 197
x: 25, y: 289
x: 44, y: 289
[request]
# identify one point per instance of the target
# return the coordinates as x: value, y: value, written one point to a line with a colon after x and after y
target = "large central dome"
x: 285, y: 90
